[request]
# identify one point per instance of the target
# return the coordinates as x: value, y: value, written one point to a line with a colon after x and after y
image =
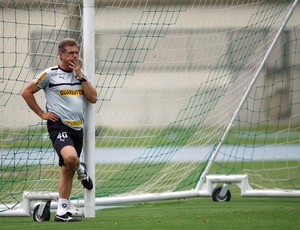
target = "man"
x: 66, y: 88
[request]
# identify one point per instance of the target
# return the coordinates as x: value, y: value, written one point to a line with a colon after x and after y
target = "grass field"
x: 37, y: 136
x: 193, y: 213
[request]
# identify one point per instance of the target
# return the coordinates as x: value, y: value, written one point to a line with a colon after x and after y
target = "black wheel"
x: 44, y: 217
x: 216, y: 195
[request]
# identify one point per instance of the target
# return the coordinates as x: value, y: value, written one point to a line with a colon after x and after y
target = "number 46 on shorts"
x: 62, y: 136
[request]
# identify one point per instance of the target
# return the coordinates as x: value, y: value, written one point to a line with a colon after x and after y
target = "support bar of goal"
x: 255, y: 77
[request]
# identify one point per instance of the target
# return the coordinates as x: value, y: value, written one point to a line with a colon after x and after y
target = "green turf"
x: 193, y: 213
x: 36, y: 136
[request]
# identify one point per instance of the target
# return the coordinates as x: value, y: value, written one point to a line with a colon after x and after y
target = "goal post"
x: 89, y: 67
x: 191, y: 94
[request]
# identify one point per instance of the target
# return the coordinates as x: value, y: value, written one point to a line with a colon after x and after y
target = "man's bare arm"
x: 90, y: 92
x: 28, y: 95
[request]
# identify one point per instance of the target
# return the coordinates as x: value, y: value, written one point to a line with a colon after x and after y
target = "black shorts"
x: 62, y: 135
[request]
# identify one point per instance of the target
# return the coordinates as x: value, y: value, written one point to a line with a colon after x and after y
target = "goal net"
x: 184, y: 91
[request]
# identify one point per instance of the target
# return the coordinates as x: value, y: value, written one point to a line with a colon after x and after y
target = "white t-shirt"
x: 64, y: 95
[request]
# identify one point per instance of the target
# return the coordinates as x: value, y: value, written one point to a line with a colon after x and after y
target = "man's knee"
x: 71, y: 161
x: 70, y: 157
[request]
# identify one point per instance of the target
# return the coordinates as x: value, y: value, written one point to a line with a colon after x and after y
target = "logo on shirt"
x: 71, y: 92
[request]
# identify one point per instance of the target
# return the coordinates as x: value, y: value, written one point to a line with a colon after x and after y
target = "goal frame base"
x: 30, y: 199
